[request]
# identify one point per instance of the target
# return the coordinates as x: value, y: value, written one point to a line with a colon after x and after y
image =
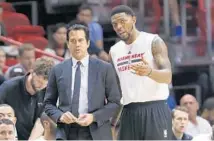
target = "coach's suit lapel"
x: 92, y: 73
x: 68, y: 77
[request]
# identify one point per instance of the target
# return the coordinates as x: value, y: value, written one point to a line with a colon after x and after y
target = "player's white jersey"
x: 137, y: 88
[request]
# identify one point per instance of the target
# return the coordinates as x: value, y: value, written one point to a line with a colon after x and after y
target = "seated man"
x: 197, y: 125
x: 7, y: 130
x: 26, y: 57
x: 179, y: 123
x: 7, y: 112
x: 49, y: 128
x: 25, y: 95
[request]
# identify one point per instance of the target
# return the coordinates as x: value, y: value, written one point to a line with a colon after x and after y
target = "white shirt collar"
x: 84, y: 61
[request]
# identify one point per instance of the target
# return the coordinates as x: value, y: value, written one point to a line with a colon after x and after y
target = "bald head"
x: 7, y: 106
x: 6, y: 111
x: 187, y: 97
x: 190, y: 102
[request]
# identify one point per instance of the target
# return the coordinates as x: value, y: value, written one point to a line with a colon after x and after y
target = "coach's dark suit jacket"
x: 101, y: 84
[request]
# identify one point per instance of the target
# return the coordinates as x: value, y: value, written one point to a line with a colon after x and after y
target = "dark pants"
x: 76, y: 132
x: 146, y: 121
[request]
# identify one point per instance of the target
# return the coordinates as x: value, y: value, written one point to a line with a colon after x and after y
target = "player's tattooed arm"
x: 160, y: 54
x: 159, y: 50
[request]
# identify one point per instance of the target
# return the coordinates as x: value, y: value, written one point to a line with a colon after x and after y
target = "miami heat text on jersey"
x: 123, y: 63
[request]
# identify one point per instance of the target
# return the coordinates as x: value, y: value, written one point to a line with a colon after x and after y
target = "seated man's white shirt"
x: 40, y: 139
x: 202, y: 137
x: 16, y: 135
x: 203, y: 127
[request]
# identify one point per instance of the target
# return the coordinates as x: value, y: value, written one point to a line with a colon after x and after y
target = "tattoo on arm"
x: 160, y: 54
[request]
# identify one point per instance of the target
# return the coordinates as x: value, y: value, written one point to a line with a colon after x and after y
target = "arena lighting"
x: 11, y: 41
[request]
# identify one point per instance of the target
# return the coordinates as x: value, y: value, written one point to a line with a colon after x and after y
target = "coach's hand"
x: 68, y: 118
x: 85, y: 119
x: 142, y: 68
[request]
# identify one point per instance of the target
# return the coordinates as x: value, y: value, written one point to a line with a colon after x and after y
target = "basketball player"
x: 144, y: 70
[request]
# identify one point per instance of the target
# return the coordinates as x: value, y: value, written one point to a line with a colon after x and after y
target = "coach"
x: 82, y: 84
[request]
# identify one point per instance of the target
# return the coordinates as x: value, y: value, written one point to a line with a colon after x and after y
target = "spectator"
x: 49, y: 128
x: 7, y: 130
x: 208, y: 110
x: 85, y: 16
x: 197, y: 125
x: 24, y: 96
x: 57, y: 44
x: 6, y: 111
x: 26, y: 59
x: 179, y: 123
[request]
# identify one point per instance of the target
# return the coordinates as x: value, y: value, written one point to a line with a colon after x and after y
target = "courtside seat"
x: 11, y: 20
x: 27, y: 30
x: 7, y: 7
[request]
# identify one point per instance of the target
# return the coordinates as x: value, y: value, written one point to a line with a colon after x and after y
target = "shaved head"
x: 6, y: 111
x: 187, y: 96
x: 8, y: 106
x: 190, y: 102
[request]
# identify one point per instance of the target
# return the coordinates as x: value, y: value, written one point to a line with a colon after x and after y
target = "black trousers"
x: 76, y: 132
x: 146, y: 121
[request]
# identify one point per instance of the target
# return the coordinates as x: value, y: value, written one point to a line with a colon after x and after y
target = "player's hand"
x: 85, y: 119
x: 68, y: 118
x: 142, y: 68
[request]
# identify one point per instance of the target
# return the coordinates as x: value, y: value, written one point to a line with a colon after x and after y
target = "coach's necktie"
x: 76, y: 91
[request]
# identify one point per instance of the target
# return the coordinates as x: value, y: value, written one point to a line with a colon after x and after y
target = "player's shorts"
x: 146, y: 121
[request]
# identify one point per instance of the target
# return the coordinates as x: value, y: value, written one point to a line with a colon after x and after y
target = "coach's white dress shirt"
x: 83, y: 98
